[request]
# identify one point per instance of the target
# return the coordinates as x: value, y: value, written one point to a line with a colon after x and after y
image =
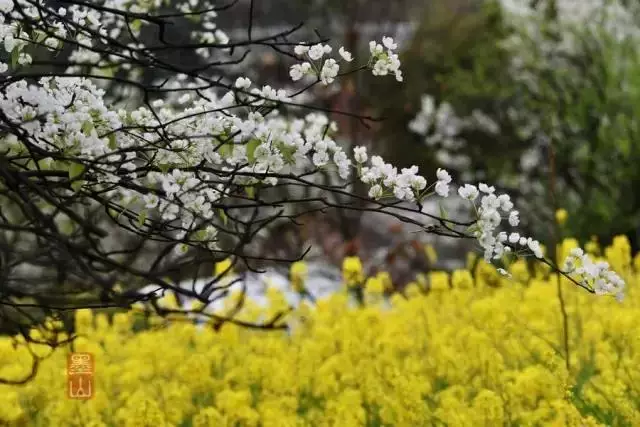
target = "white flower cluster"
x: 384, y: 178
x: 594, y: 275
x: 73, y: 131
x: 210, y: 33
x: 442, y: 127
x: 492, y: 210
x: 385, y: 62
x: 326, y: 69
x: 615, y: 18
x: 442, y: 185
x: 261, y: 145
x: 90, y: 25
x: 13, y: 38
x: 68, y: 117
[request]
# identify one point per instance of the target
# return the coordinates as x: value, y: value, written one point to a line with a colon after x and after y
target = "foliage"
x: 451, y: 56
x: 558, y: 79
x: 471, y: 348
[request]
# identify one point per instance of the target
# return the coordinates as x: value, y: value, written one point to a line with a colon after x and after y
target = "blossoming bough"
x: 100, y: 196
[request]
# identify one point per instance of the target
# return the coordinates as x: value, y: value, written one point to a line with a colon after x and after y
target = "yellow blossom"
x: 561, y: 216
x: 520, y: 271
x: 374, y: 286
x: 485, y: 352
x: 439, y: 280
x: 352, y: 273
x: 412, y: 290
x: 385, y: 278
x: 298, y: 275
x: 462, y: 279
x: 593, y: 246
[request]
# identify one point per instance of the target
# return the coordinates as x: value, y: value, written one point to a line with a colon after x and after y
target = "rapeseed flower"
x: 352, y: 272
x: 486, y: 351
x: 561, y: 216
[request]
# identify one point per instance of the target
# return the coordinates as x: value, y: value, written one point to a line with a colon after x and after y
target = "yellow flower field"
x: 477, y: 349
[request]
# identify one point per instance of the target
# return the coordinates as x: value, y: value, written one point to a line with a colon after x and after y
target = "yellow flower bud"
x: 561, y: 216
x: 462, y: 279
x: 374, y: 286
x: 352, y: 271
x: 385, y: 278
x: 439, y: 280
x: 593, y: 246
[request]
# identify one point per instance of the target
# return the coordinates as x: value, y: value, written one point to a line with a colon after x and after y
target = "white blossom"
x: 298, y: 71
x: 442, y: 188
x: 301, y: 49
x: 346, y: 55
x: 376, y: 191
x: 514, y: 218
x: 329, y: 71
x: 360, y: 154
x: 443, y: 176
x: 389, y: 43
x: 486, y: 189
x: 243, y: 83
x: 316, y: 52
x: 73, y: 117
x: 6, y: 6
x: 469, y: 192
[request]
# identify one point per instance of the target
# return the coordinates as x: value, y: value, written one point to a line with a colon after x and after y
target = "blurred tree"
x: 453, y: 49
x: 560, y: 83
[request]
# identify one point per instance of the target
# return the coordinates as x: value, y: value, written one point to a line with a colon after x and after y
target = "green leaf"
x: 287, y: 153
x: 40, y: 36
x: 67, y: 227
x: 251, y: 149
x: 624, y: 145
x: 223, y: 216
x: 251, y: 191
x: 75, y: 170
x: 87, y: 127
x: 122, y: 212
x: 225, y: 150
x: 77, y: 185
x: 45, y: 164
x: 443, y: 213
x: 15, y: 54
x: 112, y: 141
x: 136, y: 25
x: 106, y: 72
x: 142, y: 217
